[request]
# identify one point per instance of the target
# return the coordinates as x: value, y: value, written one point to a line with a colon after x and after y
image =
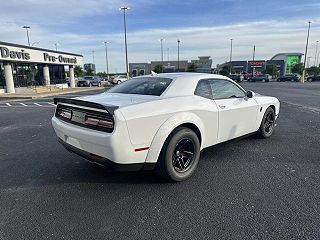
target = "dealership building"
x: 203, y: 64
x: 23, y: 66
x: 283, y: 61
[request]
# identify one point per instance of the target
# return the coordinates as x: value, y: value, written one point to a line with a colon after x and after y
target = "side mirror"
x: 250, y: 94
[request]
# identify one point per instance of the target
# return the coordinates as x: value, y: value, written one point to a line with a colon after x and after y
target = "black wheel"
x: 309, y: 79
x: 119, y: 82
x: 267, y: 124
x: 179, y: 156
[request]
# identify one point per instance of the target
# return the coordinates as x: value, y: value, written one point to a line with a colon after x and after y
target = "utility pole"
x: 27, y: 28
x: 316, y: 54
x: 231, y: 40
x: 125, y: 37
x: 178, y: 41
x: 252, y: 66
x: 107, y: 63
x: 306, y: 52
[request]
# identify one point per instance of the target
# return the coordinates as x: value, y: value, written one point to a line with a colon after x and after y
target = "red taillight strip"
x: 141, y: 149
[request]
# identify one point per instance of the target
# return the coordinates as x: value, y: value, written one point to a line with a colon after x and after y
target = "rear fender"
x: 167, y: 127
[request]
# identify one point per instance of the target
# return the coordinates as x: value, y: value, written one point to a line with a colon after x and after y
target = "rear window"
x: 88, y: 78
x: 143, y: 86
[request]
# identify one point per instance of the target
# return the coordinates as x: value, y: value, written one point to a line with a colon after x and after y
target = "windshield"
x: 143, y: 86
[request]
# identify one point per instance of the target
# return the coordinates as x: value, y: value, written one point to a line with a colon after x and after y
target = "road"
x: 243, y: 189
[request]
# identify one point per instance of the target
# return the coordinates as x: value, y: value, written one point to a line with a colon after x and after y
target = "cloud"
x: 50, y: 20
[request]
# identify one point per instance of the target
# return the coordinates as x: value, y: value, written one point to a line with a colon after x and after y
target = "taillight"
x: 65, y: 114
x: 93, y: 121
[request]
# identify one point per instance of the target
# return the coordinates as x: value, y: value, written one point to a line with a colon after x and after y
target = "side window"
x: 203, y: 89
x: 222, y: 89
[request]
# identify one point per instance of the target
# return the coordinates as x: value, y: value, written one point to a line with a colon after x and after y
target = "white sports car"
x: 162, y: 121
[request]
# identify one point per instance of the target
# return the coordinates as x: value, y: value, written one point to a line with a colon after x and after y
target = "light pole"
x: 168, y: 54
x: 93, y: 57
x: 27, y: 28
x: 306, y: 52
x: 315, y: 56
x: 161, y: 44
x: 178, y: 41
x: 254, y: 54
x: 124, y: 9
x: 231, y: 41
x: 56, y: 45
x: 308, y: 62
x: 107, y: 64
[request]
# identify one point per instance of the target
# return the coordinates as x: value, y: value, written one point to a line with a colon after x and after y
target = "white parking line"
x: 37, y: 104
x: 51, y: 104
x: 23, y: 104
x: 8, y: 104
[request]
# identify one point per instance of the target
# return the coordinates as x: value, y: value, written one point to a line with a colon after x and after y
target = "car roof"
x: 184, y: 83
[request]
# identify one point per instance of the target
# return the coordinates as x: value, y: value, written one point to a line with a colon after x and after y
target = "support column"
x: 71, y: 72
x: 46, y: 75
x: 9, y: 78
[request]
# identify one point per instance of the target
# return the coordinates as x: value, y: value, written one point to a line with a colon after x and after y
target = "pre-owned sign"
x: 18, y: 53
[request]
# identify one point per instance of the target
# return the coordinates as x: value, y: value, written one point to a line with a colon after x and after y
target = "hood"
x: 117, y: 99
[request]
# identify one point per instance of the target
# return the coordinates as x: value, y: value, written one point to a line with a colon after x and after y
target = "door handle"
x: 222, y: 106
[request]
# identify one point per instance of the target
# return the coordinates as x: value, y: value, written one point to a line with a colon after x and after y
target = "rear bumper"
x: 109, y: 149
x: 106, y: 162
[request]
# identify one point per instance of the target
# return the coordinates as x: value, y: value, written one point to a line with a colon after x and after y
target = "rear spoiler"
x: 109, y: 108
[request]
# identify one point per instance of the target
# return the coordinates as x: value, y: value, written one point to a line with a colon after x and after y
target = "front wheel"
x: 267, y: 124
x: 179, y: 156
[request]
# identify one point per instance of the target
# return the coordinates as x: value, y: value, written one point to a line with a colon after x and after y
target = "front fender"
x: 167, y: 127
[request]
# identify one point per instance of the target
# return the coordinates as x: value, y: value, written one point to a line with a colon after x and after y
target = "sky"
x: 204, y: 28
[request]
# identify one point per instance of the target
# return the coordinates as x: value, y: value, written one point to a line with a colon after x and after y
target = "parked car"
x: 313, y: 78
x: 119, y: 79
x: 161, y: 121
x: 260, y: 78
x: 289, y: 77
x: 236, y: 77
x: 89, y: 81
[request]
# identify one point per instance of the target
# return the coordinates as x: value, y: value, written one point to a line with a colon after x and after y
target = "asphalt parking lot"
x: 243, y: 189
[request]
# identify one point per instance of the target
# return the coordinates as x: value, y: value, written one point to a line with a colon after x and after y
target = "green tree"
x: 78, y: 72
x: 89, y: 72
x: 226, y: 69
x: 192, y: 67
x: 297, y: 68
x: 313, y: 70
x: 271, y: 70
x: 158, y: 68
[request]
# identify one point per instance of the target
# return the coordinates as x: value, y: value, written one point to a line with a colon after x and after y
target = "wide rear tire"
x: 179, y: 156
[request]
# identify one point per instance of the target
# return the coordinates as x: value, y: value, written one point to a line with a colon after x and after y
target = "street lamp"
x: 161, y: 44
x: 306, y: 52
x: 315, y: 56
x: 27, y: 28
x: 168, y: 50
x: 56, y: 45
x: 107, y: 64
x: 252, y: 66
x: 231, y: 41
x: 178, y: 41
x: 124, y: 9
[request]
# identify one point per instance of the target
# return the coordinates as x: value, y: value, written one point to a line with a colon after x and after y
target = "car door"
x: 209, y: 112
x: 237, y: 112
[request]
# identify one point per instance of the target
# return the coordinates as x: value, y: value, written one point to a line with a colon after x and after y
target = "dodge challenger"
x: 161, y: 122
